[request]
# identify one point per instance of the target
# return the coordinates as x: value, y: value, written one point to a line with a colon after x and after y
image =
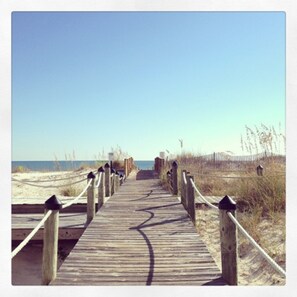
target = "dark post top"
x: 259, y: 170
x: 174, y: 164
x: 91, y: 175
x: 101, y: 169
x: 53, y: 203
x: 227, y: 203
x: 106, y: 165
x: 112, y: 170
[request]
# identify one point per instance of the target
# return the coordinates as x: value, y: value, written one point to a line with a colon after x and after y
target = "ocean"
x: 69, y: 165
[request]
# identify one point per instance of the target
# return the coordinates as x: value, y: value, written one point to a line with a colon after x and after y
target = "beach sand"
x: 21, y: 190
x: 252, y: 269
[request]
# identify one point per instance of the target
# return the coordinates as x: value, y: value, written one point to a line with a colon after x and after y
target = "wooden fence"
x: 220, y: 157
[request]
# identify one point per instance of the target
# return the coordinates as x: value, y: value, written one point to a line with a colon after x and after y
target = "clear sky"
x: 86, y: 82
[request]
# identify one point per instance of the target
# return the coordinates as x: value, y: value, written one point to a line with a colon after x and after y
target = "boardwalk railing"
x: 229, y: 225
x: 107, y: 183
x: 159, y: 165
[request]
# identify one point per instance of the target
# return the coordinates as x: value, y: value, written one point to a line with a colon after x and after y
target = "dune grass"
x: 70, y: 191
x: 261, y: 200
x: 239, y: 179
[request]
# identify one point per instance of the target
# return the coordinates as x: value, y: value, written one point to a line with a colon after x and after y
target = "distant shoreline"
x: 69, y: 165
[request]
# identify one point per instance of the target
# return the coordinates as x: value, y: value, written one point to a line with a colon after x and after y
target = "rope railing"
x: 256, y: 245
x: 245, y: 233
x: 99, y: 180
x: 202, y: 197
x: 40, y: 224
x: 49, y: 180
x: 184, y: 177
x: 30, y: 236
x: 49, y: 186
x: 228, y: 227
x: 105, y: 180
x: 77, y: 198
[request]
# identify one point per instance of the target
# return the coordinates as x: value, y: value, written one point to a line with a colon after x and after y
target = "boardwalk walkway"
x: 141, y: 236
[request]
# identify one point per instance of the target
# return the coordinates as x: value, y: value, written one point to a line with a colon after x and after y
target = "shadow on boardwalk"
x: 142, y: 236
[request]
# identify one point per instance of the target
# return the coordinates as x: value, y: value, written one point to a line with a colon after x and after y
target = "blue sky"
x: 85, y: 82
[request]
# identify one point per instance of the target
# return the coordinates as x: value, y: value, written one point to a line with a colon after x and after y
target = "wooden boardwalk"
x: 141, y: 236
x: 71, y: 226
x: 27, y: 212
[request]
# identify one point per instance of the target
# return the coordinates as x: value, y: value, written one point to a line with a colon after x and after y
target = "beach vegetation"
x: 70, y: 191
x: 260, y: 199
x: 19, y: 169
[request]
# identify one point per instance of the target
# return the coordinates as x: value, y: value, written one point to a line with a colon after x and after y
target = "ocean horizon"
x: 70, y: 165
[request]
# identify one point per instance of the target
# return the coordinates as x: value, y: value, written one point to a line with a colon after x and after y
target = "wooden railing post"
x: 116, y: 181
x: 91, y: 205
x: 107, y: 180
x: 260, y: 170
x: 191, y: 198
x: 126, y: 167
x: 174, y: 178
x: 50, y: 241
x: 132, y: 164
x: 112, y: 179
x: 156, y: 164
x: 101, y: 188
x: 159, y: 165
x: 228, y: 234
x: 183, y: 188
x: 121, y: 179
x: 162, y: 164
x: 168, y: 176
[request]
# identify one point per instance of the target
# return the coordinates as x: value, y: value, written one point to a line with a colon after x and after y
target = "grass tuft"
x: 70, y: 191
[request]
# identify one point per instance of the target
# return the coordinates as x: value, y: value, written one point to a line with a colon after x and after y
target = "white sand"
x: 21, y: 190
x: 253, y: 269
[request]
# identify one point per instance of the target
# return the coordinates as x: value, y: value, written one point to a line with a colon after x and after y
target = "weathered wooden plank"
x: 135, y: 282
x: 72, y: 226
x: 64, y: 234
x: 141, y: 236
